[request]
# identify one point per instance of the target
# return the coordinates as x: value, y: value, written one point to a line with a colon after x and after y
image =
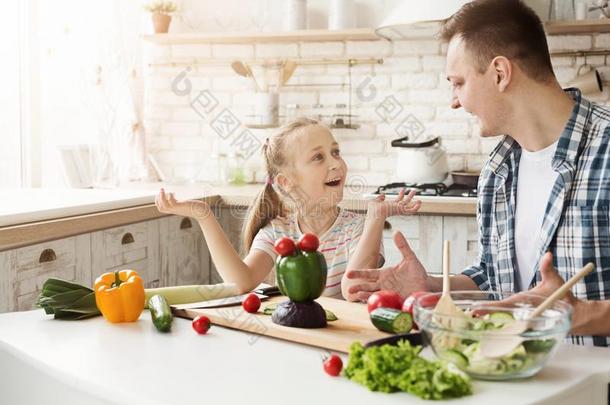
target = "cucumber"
x: 391, y: 320
x: 268, y: 310
x: 515, y: 363
x: 330, y: 316
x: 500, y: 319
x: 454, y: 357
x: 488, y: 366
x: 539, y: 345
x: 160, y: 313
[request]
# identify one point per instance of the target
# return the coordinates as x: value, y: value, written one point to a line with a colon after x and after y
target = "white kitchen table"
x: 94, y: 362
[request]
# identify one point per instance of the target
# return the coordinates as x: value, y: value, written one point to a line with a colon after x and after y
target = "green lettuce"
x: 389, y: 368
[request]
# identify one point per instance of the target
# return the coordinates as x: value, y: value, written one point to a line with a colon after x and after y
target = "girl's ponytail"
x: 267, y: 206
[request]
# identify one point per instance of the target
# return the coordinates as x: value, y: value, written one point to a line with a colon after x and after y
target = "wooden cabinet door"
x: 7, y: 277
x: 184, y: 253
x: 463, y: 232
x: 68, y: 259
x: 133, y: 246
x: 424, y: 234
x: 231, y: 219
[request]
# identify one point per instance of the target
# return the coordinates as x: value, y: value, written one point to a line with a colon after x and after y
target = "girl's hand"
x: 400, y: 206
x: 167, y: 204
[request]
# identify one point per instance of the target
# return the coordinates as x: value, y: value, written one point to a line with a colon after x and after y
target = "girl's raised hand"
x: 167, y: 204
x: 402, y: 205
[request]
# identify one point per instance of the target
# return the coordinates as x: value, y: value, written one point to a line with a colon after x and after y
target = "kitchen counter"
x: 31, y: 216
x: 95, y: 362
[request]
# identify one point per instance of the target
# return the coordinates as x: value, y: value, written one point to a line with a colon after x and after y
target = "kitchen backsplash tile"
x: 185, y: 137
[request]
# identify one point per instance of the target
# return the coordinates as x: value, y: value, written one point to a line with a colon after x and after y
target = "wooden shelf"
x: 577, y: 27
x: 356, y: 34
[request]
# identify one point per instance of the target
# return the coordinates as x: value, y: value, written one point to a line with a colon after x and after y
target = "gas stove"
x: 432, y: 189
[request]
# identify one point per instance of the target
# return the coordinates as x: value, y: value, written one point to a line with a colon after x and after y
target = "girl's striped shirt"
x: 338, y: 244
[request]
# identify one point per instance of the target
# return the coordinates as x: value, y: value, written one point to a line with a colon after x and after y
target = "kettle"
x: 420, y: 162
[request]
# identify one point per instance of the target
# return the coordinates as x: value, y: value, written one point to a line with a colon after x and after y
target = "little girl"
x: 305, y: 180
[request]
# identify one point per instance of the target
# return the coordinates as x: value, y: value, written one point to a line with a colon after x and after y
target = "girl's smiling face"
x: 317, y: 174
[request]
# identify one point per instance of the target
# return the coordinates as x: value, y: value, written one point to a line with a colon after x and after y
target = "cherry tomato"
x: 428, y: 300
x: 409, y: 303
x: 251, y: 303
x: 386, y: 299
x: 333, y: 365
x: 309, y: 242
x: 285, y: 247
x: 201, y: 324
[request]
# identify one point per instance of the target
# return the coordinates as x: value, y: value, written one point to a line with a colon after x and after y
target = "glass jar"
x: 235, y: 173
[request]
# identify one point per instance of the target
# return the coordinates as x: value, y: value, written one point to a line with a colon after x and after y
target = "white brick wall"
x: 412, y: 74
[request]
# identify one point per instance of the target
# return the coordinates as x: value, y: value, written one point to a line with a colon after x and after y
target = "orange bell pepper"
x: 119, y: 295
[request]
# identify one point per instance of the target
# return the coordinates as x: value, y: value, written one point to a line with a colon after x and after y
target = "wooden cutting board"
x: 353, y: 324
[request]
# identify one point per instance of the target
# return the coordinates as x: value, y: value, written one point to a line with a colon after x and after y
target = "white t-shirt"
x: 534, y: 184
x: 338, y: 244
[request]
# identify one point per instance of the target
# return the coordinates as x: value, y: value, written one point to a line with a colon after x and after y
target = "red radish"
x: 386, y: 299
x: 309, y: 242
x: 251, y: 303
x: 333, y: 365
x: 284, y: 247
x: 201, y: 324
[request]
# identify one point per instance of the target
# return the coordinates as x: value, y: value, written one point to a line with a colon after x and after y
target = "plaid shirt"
x: 576, y: 225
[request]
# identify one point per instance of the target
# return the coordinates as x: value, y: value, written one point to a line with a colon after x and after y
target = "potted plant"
x: 161, y: 10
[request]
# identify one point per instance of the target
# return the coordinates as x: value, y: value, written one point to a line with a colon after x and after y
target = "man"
x: 545, y: 187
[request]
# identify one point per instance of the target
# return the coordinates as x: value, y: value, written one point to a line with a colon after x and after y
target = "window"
x: 12, y: 35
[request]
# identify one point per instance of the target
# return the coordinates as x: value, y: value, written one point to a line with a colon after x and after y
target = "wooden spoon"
x: 244, y: 70
x: 506, y: 339
x: 445, y: 305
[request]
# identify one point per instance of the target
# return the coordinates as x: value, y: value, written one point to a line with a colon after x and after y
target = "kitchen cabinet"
x: 7, y: 275
x: 134, y: 246
x: 463, y: 233
x: 231, y: 220
x: 425, y: 235
x: 166, y: 251
x: 184, y: 253
x: 24, y: 270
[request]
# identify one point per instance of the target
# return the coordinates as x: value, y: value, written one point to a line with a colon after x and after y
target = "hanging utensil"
x: 503, y: 341
x: 244, y: 70
x: 287, y: 70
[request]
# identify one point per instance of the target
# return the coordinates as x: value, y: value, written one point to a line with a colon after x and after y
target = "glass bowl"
x: 457, y: 339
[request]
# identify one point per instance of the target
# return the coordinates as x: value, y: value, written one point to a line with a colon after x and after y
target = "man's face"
x: 476, y: 92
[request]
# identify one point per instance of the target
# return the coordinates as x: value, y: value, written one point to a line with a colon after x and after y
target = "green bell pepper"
x: 302, y: 276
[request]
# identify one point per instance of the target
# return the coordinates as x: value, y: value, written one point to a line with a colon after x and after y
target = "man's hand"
x: 550, y: 280
x: 405, y: 278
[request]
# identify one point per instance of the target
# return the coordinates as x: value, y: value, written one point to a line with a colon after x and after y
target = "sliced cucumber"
x: 488, y: 366
x: 539, y: 345
x: 391, y: 320
x: 330, y: 316
x: 268, y: 310
x: 501, y: 317
x: 454, y: 357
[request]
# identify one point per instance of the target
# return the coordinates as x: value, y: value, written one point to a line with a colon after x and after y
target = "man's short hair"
x: 509, y: 28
